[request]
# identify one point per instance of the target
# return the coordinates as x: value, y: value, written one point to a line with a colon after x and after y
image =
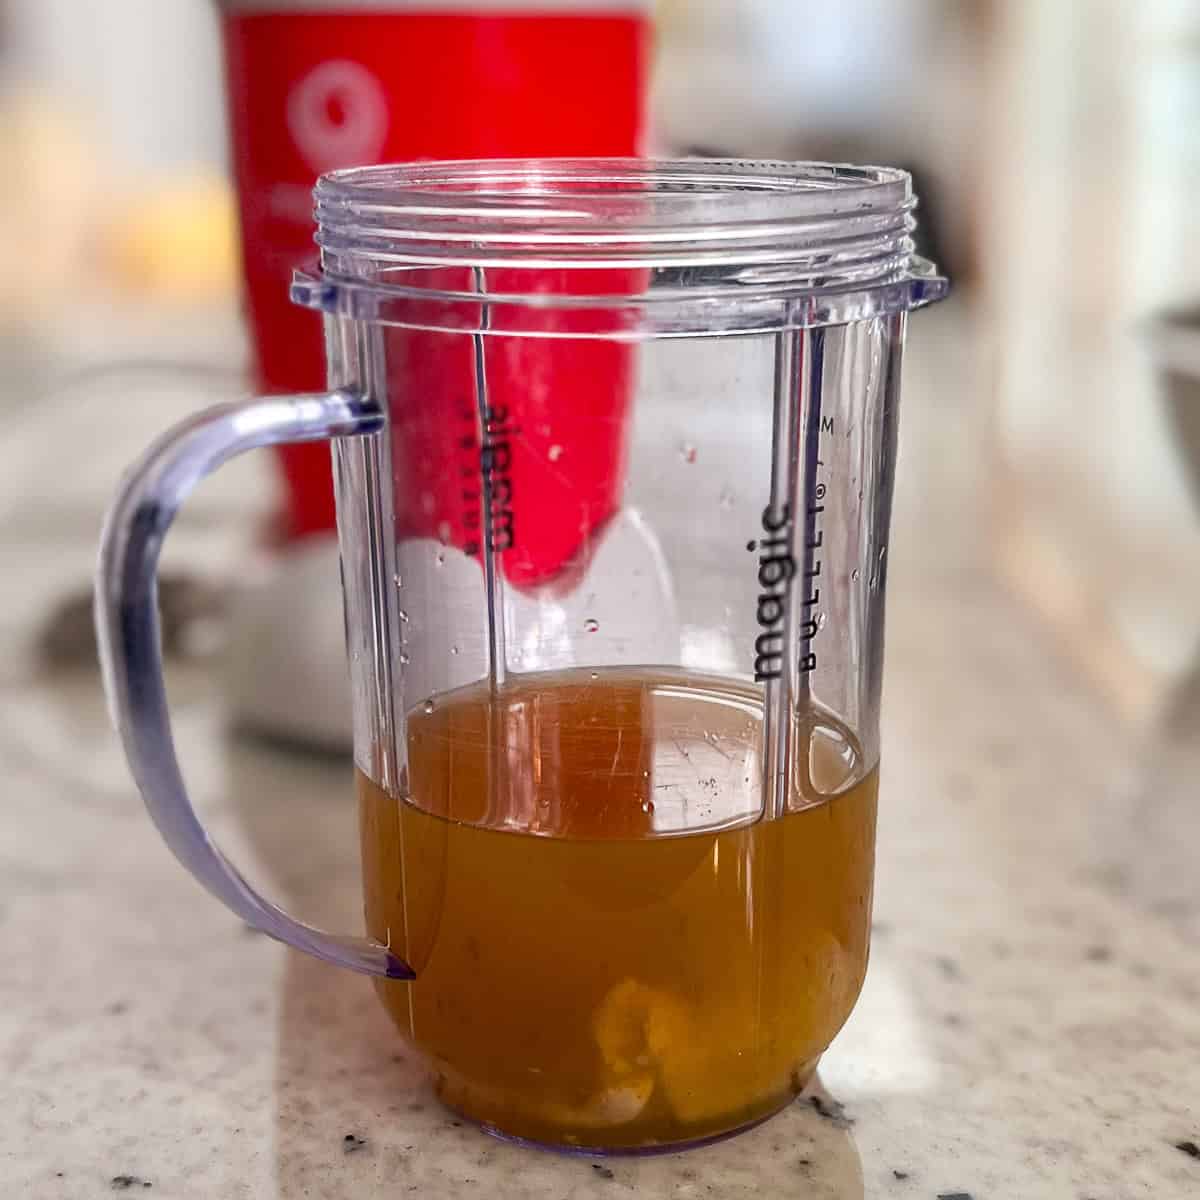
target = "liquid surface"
x: 649, y: 967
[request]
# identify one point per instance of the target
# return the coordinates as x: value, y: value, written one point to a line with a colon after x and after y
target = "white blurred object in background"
x: 898, y: 82
x: 1092, y: 225
x: 113, y: 116
x: 145, y: 73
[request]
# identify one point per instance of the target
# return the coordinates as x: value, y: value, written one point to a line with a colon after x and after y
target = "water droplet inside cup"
x: 725, y: 499
x: 399, y: 579
x: 877, y: 569
x: 854, y: 574
x: 403, y: 616
x: 591, y: 624
x: 403, y: 657
x: 554, y: 453
x: 441, y: 559
x: 444, y: 532
x: 453, y: 649
x: 647, y: 806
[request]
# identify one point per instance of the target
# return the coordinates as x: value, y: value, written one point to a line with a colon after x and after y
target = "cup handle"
x: 131, y: 659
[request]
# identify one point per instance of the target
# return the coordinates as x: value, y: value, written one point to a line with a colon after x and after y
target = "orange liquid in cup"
x: 589, y: 972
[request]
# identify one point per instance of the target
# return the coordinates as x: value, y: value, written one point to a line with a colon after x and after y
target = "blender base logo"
x: 338, y: 116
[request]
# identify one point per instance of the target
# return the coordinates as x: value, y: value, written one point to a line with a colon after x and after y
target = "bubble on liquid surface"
x: 591, y: 624
x: 595, y: 675
x: 427, y: 707
x: 647, y: 806
x: 687, y: 452
x: 554, y: 453
x: 833, y: 759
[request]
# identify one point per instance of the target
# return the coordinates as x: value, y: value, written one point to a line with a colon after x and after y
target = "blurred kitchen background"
x: 1056, y: 149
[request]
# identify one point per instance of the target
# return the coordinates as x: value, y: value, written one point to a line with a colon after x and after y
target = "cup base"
x: 633, y: 1149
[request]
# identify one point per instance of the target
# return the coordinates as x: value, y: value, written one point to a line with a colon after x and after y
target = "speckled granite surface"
x: 1030, y: 1026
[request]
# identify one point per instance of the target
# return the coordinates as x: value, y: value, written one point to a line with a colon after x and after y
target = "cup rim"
x: 644, y: 234
x: 599, y: 210
x: 658, y: 199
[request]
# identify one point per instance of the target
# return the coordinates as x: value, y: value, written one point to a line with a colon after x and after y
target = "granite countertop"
x: 1031, y: 1022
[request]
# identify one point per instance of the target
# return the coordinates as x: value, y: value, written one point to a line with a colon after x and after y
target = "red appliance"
x: 318, y: 85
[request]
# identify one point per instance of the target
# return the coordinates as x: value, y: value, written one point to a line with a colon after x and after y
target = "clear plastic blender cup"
x: 614, y: 443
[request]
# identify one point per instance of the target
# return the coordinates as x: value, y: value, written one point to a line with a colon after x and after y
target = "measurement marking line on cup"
x: 815, y: 490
